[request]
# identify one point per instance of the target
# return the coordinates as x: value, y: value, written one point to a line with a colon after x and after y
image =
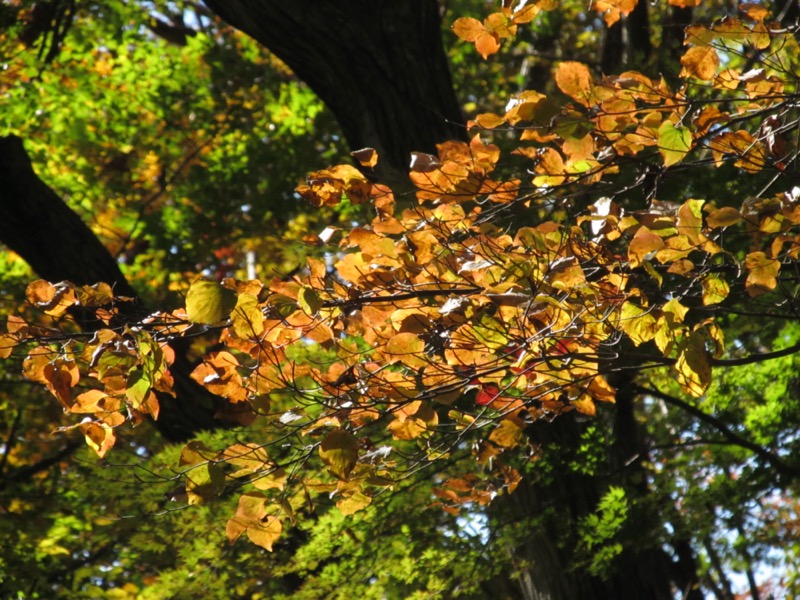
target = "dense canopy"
x: 399, y: 300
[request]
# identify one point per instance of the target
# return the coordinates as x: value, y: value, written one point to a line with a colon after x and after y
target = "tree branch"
x: 723, y: 428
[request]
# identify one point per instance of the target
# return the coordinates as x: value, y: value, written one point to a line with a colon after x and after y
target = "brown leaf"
x: 366, y: 157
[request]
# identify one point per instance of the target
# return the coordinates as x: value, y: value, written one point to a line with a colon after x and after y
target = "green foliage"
x: 599, y: 531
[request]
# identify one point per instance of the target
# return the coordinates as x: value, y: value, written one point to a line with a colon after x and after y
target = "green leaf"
x: 673, y: 142
x: 208, y: 302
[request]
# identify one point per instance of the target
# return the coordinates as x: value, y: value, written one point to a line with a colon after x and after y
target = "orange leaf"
x: 575, y: 80
x: 99, y: 436
x: 407, y: 348
x: 487, y: 44
x: 468, y: 29
x: 700, y: 62
x: 643, y: 246
x: 265, y: 533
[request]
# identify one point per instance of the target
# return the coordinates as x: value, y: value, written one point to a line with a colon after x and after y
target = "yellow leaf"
x: 674, y: 142
x: 585, y: 405
x: 339, y: 452
x: 507, y: 434
x: 247, y: 318
x: 638, y: 323
x: 208, y: 302
x: 693, y: 368
x: 407, y: 429
x: 715, y: 290
x: 763, y: 273
x: 353, y: 503
x: 309, y: 301
x: 204, y: 482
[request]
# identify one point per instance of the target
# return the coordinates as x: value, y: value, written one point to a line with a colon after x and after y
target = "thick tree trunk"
x: 626, y: 44
x: 37, y: 224
x: 379, y: 66
x: 547, y: 561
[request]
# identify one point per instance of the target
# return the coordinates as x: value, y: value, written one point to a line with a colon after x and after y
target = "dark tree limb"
x: 37, y: 224
x: 379, y: 66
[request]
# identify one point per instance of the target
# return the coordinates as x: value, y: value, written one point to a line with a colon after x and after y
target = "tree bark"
x: 36, y: 224
x: 379, y: 66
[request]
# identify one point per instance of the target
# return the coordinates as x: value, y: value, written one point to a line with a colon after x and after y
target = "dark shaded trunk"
x: 626, y: 44
x: 37, y: 224
x: 379, y: 66
x: 548, y: 561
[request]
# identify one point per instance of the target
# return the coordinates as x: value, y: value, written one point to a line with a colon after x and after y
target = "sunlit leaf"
x: 209, y: 303
x: 693, y: 367
x: 700, y: 62
x: 575, y: 80
x: 339, y: 452
x: 674, y: 142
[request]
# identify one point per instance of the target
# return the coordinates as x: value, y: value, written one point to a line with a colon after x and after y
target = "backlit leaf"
x: 99, y: 437
x: 723, y: 217
x: 247, y: 318
x: 507, y: 434
x: 204, y: 482
x: 366, y: 157
x: 763, y: 273
x: 674, y: 142
x: 353, y: 503
x: 700, y: 62
x: 715, y: 289
x: 266, y: 532
x: 468, y: 29
x: 208, y: 302
x: 575, y: 80
x: 644, y: 246
x: 693, y: 367
x: 339, y: 452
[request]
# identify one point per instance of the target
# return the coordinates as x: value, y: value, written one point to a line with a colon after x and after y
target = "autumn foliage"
x: 513, y: 289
